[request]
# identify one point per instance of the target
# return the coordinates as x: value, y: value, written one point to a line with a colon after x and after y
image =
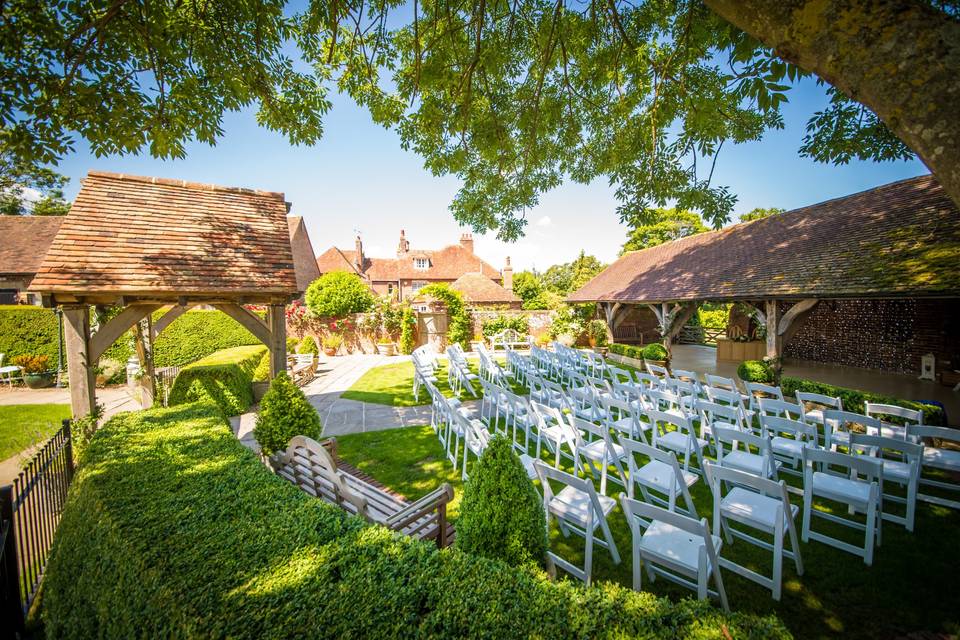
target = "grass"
x: 910, y: 588
x: 22, y: 425
x: 392, y: 385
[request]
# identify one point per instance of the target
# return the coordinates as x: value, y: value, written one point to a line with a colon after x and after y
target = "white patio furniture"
x: 623, y: 416
x: 939, y: 459
x: 579, y: 509
x: 740, y: 456
x: 675, y: 547
x: 860, y: 490
x: 658, y: 371
x: 905, y: 418
x: 676, y: 433
x: 762, y: 505
x: 787, y: 440
x: 757, y: 390
x: 554, y: 430
x: 599, y: 450
x: 813, y: 405
x: 838, y: 425
x: 659, y: 479
x: 901, y: 465
x: 10, y: 372
x: 780, y: 408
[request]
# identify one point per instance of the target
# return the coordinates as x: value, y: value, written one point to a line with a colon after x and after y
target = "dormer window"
x: 421, y: 263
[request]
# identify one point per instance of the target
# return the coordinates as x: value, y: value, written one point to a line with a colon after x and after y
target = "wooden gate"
x: 432, y: 329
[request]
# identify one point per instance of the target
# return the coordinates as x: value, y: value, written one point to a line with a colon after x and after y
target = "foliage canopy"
x: 338, y: 294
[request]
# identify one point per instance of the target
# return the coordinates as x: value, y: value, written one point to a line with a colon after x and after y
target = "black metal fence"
x: 30, y: 511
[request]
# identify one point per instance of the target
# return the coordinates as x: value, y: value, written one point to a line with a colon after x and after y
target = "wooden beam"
x: 772, y: 322
x: 678, y: 318
x: 76, y: 330
x: 277, y: 317
x: 166, y: 319
x: 249, y: 320
x: 144, y: 347
x: 112, y: 330
x: 793, y: 319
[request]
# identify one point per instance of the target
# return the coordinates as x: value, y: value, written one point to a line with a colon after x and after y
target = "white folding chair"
x: 740, y: 457
x: 813, y: 414
x: 659, y: 479
x: 757, y: 390
x: 860, y: 491
x: 675, y: 547
x: 787, y: 440
x: 780, y: 408
x: 623, y: 416
x: 600, y: 449
x: 905, y: 418
x: 762, y: 505
x: 712, y: 414
x: 838, y: 425
x: 577, y: 508
x: 938, y: 459
x: 902, y: 469
x: 647, y: 380
x: 731, y: 399
x: 554, y: 430
x: 681, y: 438
x: 658, y: 371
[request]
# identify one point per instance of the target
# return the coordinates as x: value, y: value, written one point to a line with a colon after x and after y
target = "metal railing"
x: 30, y: 510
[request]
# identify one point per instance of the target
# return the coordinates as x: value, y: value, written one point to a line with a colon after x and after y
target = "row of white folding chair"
x: 939, y: 459
x: 476, y: 441
x: 459, y: 375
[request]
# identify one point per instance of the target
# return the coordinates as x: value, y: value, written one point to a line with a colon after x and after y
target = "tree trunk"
x: 901, y: 58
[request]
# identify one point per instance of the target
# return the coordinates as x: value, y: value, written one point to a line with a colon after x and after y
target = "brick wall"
x: 889, y: 335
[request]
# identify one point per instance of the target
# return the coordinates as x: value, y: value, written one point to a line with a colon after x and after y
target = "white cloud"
x: 544, y: 221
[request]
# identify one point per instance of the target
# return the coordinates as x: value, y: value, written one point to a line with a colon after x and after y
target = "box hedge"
x: 173, y: 529
x: 628, y: 350
x: 755, y: 371
x: 26, y: 330
x: 853, y: 400
x: 225, y: 377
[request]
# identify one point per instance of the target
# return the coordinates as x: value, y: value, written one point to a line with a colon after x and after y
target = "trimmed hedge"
x: 225, y: 377
x: 655, y: 351
x: 174, y: 529
x: 755, y: 371
x: 853, y: 400
x: 628, y: 350
x: 28, y: 330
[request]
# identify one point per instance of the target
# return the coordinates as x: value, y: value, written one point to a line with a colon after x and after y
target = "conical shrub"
x: 501, y: 515
x: 284, y: 413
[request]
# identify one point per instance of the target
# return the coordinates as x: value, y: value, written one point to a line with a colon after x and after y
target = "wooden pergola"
x: 897, y: 241
x: 147, y: 244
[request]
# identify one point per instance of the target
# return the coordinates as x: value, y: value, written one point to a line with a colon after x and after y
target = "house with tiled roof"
x: 480, y: 291
x: 25, y: 240
x: 412, y: 269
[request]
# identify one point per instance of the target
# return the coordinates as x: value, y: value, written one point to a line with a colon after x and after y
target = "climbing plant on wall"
x: 458, y: 327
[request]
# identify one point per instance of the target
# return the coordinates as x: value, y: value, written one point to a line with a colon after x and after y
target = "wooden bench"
x: 314, y: 468
x: 509, y: 338
x: 303, y: 367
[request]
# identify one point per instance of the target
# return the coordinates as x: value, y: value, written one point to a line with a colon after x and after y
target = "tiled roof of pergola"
x: 895, y: 241
x: 140, y: 237
x: 24, y: 241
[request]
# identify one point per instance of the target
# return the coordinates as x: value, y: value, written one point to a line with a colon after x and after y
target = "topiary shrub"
x: 755, y: 371
x: 262, y: 372
x: 501, y: 516
x: 28, y: 330
x: 338, y: 294
x: 225, y: 377
x: 655, y: 351
x: 308, y: 345
x: 284, y: 412
x: 292, y: 344
x: 408, y: 331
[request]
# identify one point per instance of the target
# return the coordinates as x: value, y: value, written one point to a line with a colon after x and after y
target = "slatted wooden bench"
x: 303, y: 366
x: 509, y: 338
x: 314, y: 468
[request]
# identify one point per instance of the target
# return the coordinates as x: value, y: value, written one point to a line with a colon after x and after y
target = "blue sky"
x: 358, y: 178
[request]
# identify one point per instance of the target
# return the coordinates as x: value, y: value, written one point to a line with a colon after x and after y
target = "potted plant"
x: 656, y: 353
x: 332, y: 344
x: 385, y: 347
x: 35, y: 372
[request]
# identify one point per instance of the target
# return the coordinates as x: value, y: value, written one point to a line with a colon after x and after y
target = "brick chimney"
x: 466, y: 241
x: 358, y: 256
x: 507, y: 274
x: 404, y: 246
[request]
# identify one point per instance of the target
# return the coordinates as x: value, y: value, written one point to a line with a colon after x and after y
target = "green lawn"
x: 22, y: 425
x: 392, y: 384
x: 911, y: 587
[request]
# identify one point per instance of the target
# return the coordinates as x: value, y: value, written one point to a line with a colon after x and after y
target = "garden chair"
x: 9, y: 372
x: 598, y: 449
x: 665, y: 401
x: 660, y: 479
x: 303, y: 368
x: 787, y: 440
x: 675, y: 547
x: 903, y: 469
x: 905, y: 418
x: 758, y: 390
x: 818, y: 404
x: 309, y: 465
x: 676, y: 433
x: 838, y: 425
x: 622, y: 416
x: 940, y: 460
x: 494, y: 405
x: 860, y: 490
x: 647, y: 380
x: 578, y: 508
x: 554, y: 430
x: 618, y: 375
x: 780, y: 408
x: 762, y: 505
x: 585, y: 403
x: 740, y: 456
x: 734, y: 399
x: 727, y: 384
x: 521, y: 417
x: 688, y: 392
x: 627, y: 391
x: 711, y: 414
x: 656, y: 370
x: 687, y: 376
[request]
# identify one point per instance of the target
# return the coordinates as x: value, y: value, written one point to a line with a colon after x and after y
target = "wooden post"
x: 774, y: 338
x: 144, y: 344
x: 76, y: 329
x: 277, y: 320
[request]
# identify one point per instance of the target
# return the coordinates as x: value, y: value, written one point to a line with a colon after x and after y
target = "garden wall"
x: 538, y: 321
x: 889, y: 335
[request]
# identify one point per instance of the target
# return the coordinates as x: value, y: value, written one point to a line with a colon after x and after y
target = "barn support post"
x: 774, y: 337
x: 79, y: 368
x: 277, y: 321
x: 143, y: 341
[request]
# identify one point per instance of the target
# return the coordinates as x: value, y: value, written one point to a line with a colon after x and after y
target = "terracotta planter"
x: 385, y: 348
x: 38, y: 380
x: 329, y: 352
